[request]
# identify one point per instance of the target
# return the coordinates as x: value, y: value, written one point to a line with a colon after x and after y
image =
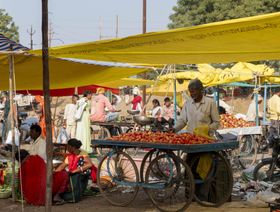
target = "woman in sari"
x: 80, y: 169
x: 83, y: 122
x: 33, y: 179
x: 41, y: 113
x: 41, y: 116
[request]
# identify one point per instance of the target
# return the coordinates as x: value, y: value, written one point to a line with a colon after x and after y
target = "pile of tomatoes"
x: 162, y: 138
x: 229, y: 121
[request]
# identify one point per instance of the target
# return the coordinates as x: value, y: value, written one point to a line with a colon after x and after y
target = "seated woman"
x: 33, y: 175
x: 157, y: 114
x: 80, y: 168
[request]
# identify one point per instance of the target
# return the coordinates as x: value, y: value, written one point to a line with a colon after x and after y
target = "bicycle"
x: 269, y: 168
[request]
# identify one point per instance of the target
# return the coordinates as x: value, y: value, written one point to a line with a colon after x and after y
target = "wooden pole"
x: 144, y: 30
x: 11, y: 68
x: 47, y: 108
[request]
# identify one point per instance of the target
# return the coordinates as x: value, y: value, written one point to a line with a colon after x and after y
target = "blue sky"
x: 75, y: 21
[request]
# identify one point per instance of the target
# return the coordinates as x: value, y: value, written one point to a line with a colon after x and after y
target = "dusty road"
x: 142, y: 203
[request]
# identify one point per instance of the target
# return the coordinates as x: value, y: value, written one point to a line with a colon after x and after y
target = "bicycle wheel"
x: 216, y: 188
x: 103, y: 134
x: 262, y: 171
x: 118, y: 178
x: 149, y: 156
x: 247, y: 151
x: 172, y: 191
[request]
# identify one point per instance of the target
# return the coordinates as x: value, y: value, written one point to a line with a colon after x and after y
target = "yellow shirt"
x: 274, y: 107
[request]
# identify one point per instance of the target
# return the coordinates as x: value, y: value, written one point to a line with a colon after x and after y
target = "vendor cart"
x: 171, y: 180
x: 252, y: 141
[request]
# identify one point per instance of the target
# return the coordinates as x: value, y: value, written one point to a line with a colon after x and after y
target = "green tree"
x: 8, y: 27
x: 195, y: 12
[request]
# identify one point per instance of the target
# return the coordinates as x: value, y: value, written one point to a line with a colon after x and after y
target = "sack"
x: 62, y: 137
x: 9, y: 137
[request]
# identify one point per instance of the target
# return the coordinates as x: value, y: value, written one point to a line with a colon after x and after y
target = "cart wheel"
x: 172, y: 191
x: 121, y: 172
x: 216, y: 188
x: 103, y: 134
x: 145, y: 163
x: 247, y: 151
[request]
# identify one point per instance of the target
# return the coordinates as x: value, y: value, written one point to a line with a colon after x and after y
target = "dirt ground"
x: 142, y: 203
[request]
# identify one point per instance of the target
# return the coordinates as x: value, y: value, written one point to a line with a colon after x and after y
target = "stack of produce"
x: 162, y: 138
x: 229, y: 121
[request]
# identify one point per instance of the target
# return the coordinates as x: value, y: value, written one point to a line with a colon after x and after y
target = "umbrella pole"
x: 11, y: 68
x: 46, y: 88
x: 175, y: 102
x: 264, y: 102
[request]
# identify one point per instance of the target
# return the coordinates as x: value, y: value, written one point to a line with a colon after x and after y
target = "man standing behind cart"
x: 200, y: 115
x: 198, y: 111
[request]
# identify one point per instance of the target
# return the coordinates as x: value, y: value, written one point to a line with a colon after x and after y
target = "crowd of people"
x: 198, y: 111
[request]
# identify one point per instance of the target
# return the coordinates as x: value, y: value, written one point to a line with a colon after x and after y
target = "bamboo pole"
x: 47, y: 108
x: 11, y: 68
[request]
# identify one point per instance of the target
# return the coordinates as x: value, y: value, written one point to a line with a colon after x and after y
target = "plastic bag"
x: 10, y: 137
x: 202, y: 130
x: 252, y: 200
x: 62, y: 137
x: 268, y: 195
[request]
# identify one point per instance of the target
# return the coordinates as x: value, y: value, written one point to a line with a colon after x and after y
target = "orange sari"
x: 42, y: 122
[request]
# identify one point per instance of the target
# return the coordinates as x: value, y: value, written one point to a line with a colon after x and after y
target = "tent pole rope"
x: 11, y: 112
x: 155, y: 84
x: 18, y: 149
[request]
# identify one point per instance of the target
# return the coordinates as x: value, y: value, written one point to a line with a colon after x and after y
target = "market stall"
x: 166, y: 178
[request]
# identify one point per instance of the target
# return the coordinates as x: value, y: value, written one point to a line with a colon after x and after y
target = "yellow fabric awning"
x: 63, y: 73
x: 211, y: 76
x: 245, y: 39
x: 126, y: 82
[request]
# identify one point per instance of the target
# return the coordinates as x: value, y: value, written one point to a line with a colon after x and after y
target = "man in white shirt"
x: 38, y: 146
x: 198, y: 110
x: 252, y: 113
x: 69, y: 117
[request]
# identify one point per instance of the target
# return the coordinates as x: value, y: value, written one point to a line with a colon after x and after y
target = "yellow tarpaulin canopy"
x: 211, y: 76
x: 126, y: 82
x: 246, y: 39
x: 63, y: 73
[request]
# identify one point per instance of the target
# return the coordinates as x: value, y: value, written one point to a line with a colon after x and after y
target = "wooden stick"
x: 11, y: 68
x: 47, y: 106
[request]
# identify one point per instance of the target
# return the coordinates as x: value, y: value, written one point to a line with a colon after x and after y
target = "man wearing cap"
x: 252, y: 113
x: 98, y: 105
x: 198, y: 110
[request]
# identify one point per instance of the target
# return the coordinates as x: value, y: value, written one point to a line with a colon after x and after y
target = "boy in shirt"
x: 69, y: 117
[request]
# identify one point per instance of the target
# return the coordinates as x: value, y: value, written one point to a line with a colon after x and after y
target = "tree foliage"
x: 8, y: 27
x: 195, y: 12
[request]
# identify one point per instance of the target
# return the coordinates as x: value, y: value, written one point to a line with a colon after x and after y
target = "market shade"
x: 67, y: 91
x: 127, y: 82
x: 64, y: 73
x: 245, y: 39
x: 8, y: 45
x: 211, y: 76
x: 112, y: 86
